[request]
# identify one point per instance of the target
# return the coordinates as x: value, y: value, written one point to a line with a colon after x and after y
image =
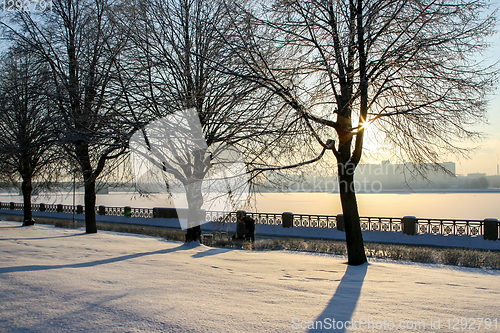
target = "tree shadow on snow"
x: 11, y: 226
x: 343, y: 303
x: 39, y: 238
x: 210, y: 252
x: 31, y: 268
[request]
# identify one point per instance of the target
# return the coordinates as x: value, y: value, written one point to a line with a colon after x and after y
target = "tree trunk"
x: 82, y: 151
x: 89, y: 201
x: 354, y: 237
x: 27, y: 188
x: 195, y: 201
x: 193, y: 234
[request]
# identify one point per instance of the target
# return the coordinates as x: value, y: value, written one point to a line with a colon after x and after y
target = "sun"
x: 366, y: 125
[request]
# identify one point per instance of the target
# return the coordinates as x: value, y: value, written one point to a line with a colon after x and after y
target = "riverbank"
x: 471, y: 205
x: 398, y: 191
x: 267, y: 229
x: 418, y: 253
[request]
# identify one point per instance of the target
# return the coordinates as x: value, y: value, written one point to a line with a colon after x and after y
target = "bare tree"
x: 27, y: 139
x: 80, y: 42
x: 174, y: 67
x: 408, y: 68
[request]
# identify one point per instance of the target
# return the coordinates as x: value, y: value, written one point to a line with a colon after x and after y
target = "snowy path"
x: 62, y: 280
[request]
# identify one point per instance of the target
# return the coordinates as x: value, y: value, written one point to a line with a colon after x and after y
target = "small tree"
x: 407, y: 67
x: 27, y: 126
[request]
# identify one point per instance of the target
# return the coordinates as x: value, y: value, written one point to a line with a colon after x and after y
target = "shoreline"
x: 264, y: 191
x: 396, y: 191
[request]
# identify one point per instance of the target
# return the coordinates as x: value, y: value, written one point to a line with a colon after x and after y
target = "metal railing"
x: 314, y: 221
x: 394, y: 224
x: 445, y: 227
x: 122, y: 211
x: 450, y: 227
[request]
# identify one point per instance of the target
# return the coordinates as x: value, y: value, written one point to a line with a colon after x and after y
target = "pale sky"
x: 487, y: 156
x: 486, y: 159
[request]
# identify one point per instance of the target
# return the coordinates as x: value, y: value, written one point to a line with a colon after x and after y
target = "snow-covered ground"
x: 63, y: 280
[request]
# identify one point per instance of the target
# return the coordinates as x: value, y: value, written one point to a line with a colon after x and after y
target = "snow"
x: 63, y: 280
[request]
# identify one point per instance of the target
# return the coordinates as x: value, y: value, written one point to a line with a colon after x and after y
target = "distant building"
x: 476, y: 175
x: 395, y: 176
x: 475, y: 180
x: 384, y: 176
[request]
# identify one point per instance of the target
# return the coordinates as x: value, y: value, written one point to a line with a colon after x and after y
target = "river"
x: 473, y: 205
